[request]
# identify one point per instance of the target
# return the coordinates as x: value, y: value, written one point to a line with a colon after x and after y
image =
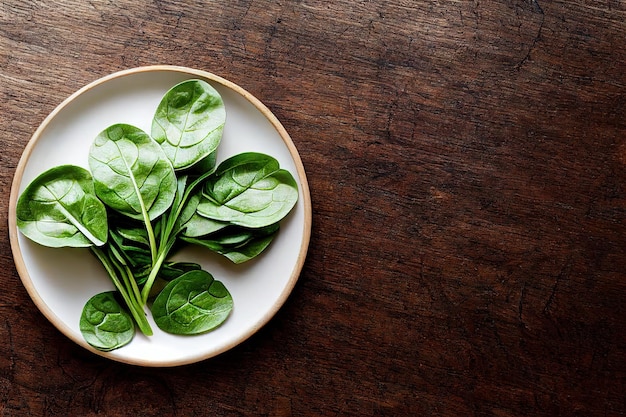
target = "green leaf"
x: 198, y: 226
x: 131, y: 173
x: 136, y: 254
x: 104, y: 324
x: 236, y: 243
x: 189, y: 122
x: 250, y: 190
x: 172, y: 270
x: 191, y: 304
x: 60, y: 208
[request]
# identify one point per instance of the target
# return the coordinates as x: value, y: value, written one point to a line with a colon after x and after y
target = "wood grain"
x: 467, y: 169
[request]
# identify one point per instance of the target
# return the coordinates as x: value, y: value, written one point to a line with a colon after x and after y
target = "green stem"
x: 145, y: 292
x: 125, y: 272
x: 168, y: 236
x: 134, y: 307
x: 151, y: 238
x: 133, y: 283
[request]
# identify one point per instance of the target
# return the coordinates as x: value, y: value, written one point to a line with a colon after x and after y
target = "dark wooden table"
x: 467, y: 166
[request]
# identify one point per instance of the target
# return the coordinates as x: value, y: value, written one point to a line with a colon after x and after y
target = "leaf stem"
x: 156, y: 267
x: 151, y: 238
x: 135, y: 308
x: 126, y: 273
x: 168, y: 235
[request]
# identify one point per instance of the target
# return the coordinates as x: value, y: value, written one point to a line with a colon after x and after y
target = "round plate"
x: 60, y: 281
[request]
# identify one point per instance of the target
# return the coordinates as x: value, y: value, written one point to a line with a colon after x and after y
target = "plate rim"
x: 20, y: 264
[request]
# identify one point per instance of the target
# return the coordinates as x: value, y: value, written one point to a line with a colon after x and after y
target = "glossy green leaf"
x: 236, y: 243
x: 135, y: 253
x: 60, y: 208
x: 189, y: 122
x: 198, y: 226
x: 191, y: 304
x: 250, y: 190
x: 172, y: 270
x: 104, y: 324
x: 131, y: 172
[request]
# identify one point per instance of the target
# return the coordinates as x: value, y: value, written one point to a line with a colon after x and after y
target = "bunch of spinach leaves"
x: 145, y: 196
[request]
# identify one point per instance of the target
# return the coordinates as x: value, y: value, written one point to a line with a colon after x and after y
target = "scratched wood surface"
x: 467, y: 167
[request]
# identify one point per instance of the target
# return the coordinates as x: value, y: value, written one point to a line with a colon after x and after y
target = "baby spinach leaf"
x: 172, y: 270
x: 60, y: 208
x: 236, y: 243
x: 104, y: 324
x: 250, y: 190
x: 198, y: 226
x: 191, y: 304
x: 131, y: 172
x: 189, y: 122
x: 136, y: 255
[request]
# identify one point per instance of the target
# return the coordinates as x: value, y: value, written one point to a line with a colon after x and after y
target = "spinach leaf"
x: 104, y: 324
x: 60, y: 208
x: 198, y: 226
x: 172, y: 270
x: 191, y: 304
x: 237, y: 243
x: 189, y: 122
x: 132, y: 175
x: 136, y: 255
x: 131, y: 172
x: 250, y: 190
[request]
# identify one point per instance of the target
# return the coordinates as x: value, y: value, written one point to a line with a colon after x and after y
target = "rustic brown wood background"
x: 467, y: 167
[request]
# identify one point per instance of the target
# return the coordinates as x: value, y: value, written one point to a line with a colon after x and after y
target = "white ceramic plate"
x: 60, y: 281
